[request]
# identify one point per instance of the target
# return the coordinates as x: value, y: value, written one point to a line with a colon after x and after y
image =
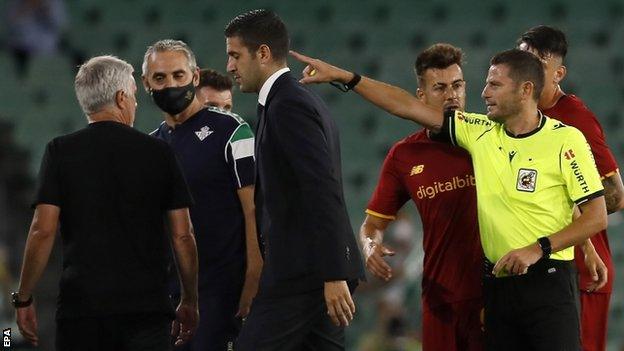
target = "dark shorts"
x: 125, y: 332
x: 535, y: 311
x: 290, y: 323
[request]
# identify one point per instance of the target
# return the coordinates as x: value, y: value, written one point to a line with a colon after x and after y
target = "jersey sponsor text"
x: 455, y: 183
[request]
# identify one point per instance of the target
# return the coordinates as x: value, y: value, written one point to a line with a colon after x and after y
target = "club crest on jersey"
x: 203, y: 133
x: 527, y: 179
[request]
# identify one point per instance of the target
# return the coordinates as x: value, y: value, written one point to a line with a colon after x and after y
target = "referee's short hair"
x: 213, y: 79
x: 258, y: 27
x: 437, y: 56
x: 545, y: 40
x: 523, y: 67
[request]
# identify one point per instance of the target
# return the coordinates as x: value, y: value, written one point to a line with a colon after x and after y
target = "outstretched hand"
x: 317, y: 71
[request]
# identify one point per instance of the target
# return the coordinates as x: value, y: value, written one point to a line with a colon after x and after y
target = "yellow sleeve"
x: 466, y: 128
x: 579, y: 169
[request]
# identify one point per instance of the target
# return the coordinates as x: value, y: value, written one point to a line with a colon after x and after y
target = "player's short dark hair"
x: 214, y: 79
x: 438, y: 56
x: 546, y: 40
x: 523, y: 67
x: 257, y: 27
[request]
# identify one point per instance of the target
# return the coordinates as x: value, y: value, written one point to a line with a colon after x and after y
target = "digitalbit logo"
x: 436, y: 188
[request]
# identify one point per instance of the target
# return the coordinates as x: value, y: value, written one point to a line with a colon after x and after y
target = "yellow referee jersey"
x: 527, y: 185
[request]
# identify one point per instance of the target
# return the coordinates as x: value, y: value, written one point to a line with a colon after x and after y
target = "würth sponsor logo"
x: 455, y: 183
x: 472, y: 120
x: 579, y: 176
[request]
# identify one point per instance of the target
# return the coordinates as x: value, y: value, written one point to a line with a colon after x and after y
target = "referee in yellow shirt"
x: 530, y: 171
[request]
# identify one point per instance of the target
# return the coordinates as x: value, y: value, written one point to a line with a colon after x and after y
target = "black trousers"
x: 534, y: 311
x: 125, y: 332
x: 298, y: 323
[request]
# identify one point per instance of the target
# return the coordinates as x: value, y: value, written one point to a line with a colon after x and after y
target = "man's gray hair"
x: 99, y: 79
x: 170, y: 45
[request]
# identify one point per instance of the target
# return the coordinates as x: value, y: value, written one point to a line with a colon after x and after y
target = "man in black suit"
x: 312, y: 261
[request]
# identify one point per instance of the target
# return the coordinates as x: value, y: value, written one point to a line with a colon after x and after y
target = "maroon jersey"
x: 572, y: 111
x: 439, y: 179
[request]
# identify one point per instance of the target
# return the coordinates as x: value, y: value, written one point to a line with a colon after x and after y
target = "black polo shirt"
x: 216, y: 152
x: 114, y: 186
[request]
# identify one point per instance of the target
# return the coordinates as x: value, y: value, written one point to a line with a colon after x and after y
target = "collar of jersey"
x: 526, y: 135
x: 189, y: 121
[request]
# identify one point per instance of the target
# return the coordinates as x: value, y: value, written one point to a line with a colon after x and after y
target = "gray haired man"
x: 111, y: 188
x: 216, y: 152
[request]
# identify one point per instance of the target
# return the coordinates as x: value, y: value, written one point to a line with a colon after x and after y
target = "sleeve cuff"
x: 380, y: 215
x: 592, y: 196
x: 609, y: 174
x: 447, y: 130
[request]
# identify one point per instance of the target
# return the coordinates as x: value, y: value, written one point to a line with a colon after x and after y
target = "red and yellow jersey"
x: 439, y: 179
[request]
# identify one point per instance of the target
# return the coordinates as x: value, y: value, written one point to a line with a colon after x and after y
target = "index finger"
x: 301, y: 57
x: 500, y: 264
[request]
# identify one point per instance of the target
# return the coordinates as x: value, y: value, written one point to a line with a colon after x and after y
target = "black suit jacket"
x: 300, y: 206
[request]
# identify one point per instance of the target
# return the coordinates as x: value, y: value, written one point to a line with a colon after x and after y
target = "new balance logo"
x: 204, y: 132
x: 417, y: 170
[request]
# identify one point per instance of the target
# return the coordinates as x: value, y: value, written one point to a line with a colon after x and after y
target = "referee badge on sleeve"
x: 526, y: 180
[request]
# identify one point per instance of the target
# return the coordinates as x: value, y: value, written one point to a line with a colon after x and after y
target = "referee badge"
x: 526, y: 180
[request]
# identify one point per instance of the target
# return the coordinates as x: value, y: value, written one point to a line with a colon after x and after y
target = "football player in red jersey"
x: 551, y: 46
x: 439, y: 179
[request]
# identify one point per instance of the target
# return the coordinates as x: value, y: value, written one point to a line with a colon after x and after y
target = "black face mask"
x: 175, y: 99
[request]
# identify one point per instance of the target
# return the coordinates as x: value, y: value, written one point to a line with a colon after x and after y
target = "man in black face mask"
x: 216, y: 151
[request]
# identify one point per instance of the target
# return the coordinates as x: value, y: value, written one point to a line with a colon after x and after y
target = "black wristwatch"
x: 344, y: 87
x: 20, y: 304
x: 545, y: 245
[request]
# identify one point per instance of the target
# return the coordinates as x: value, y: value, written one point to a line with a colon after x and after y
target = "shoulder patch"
x: 242, y: 132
